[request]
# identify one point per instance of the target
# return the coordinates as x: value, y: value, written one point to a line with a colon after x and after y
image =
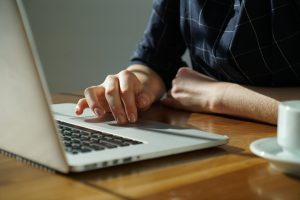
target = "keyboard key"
x: 85, y: 149
x: 94, y: 140
x: 68, y: 133
x: 76, y: 135
x: 85, y: 133
x: 67, y: 138
x: 97, y: 147
x: 74, y: 152
x: 67, y: 143
x: 75, y: 145
x: 81, y: 140
x: 86, y: 143
x: 124, y: 144
x: 84, y: 137
x: 108, y: 145
x: 75, y: 130
x: 74, y: 140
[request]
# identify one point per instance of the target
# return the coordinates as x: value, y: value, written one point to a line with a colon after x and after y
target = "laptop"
x: 51, y: 135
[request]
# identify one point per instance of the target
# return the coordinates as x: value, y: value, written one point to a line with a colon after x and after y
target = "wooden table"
x: 227, y: 172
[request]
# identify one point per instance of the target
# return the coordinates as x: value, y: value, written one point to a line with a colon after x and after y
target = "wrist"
x: 150, y: 80
x: 219, y: 101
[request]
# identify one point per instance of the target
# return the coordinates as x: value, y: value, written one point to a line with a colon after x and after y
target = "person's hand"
x: 195, y: 92
x: 121, y: 94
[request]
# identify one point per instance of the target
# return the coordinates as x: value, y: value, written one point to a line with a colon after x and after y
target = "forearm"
x: 244, y: 102
x: 196, y: 92
x: 278, y: 93
x: 149, y: 79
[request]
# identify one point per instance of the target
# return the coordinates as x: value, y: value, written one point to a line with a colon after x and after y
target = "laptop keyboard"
x: 78, y: 139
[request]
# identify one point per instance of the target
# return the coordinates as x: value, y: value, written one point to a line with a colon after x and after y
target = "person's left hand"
x: 195, y: 92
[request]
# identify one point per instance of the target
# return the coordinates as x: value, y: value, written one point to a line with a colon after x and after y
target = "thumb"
x: 170, y: 101
x: 144, y: 100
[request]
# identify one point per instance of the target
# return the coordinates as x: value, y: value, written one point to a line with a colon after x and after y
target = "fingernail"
x: 98, y: 112
x: 121, y: 119
x: 132, y: 118
x: 142, y: 101
x: 77, y: 110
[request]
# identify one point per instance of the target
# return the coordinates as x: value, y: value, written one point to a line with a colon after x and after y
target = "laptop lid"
x: 26, y: 122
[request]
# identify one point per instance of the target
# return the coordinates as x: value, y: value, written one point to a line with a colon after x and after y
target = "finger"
x: 81, y: 105
x: 91, y: 96
x: 102, y: 101
x: 170, y: 101
x: 129, y: 86
x: 112, y: 95
x: 144, y: 100
x: 182, y: 70
x: 187, y: 71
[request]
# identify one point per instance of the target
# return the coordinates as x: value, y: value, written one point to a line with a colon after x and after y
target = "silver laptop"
x: 51, y: 135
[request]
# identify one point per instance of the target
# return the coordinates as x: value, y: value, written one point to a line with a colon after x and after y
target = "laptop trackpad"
x: 68, y: 110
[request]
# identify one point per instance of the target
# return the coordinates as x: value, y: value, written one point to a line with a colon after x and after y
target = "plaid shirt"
x: 253, y: 42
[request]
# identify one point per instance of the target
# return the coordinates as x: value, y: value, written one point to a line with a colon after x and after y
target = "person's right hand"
x: 121, y: 94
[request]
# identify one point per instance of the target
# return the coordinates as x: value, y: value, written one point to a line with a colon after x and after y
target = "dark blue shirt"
x: 253, y: 42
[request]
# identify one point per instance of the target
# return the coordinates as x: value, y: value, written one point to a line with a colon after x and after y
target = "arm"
x: 209, y: 95
x: 162, y: 45
x: 240, y: 101
x: 258, y: 103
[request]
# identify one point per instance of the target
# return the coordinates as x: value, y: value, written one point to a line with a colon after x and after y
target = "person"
x: 244, y: 56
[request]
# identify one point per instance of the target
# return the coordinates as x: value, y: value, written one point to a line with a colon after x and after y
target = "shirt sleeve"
x: 162, y: 46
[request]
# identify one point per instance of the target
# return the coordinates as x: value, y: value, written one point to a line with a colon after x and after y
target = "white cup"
x: 288, y: 127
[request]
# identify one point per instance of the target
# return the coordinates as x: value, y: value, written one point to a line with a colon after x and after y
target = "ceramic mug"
x: 288, y: 127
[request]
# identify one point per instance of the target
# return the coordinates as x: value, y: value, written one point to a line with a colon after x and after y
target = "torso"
x: 253, y: 43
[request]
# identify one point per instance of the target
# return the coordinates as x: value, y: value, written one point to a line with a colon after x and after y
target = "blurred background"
x: 82, y: 41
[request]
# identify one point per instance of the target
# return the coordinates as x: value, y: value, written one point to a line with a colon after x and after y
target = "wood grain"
x: 227, y: 172
x: 21, y: 181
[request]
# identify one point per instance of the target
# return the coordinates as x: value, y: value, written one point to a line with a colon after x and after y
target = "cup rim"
x: 289, y: 105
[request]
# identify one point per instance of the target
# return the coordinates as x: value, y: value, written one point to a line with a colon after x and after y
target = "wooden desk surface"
x: 227, y: 172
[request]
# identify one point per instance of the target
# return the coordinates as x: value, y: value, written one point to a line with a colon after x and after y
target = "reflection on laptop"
x: 29, y: 126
